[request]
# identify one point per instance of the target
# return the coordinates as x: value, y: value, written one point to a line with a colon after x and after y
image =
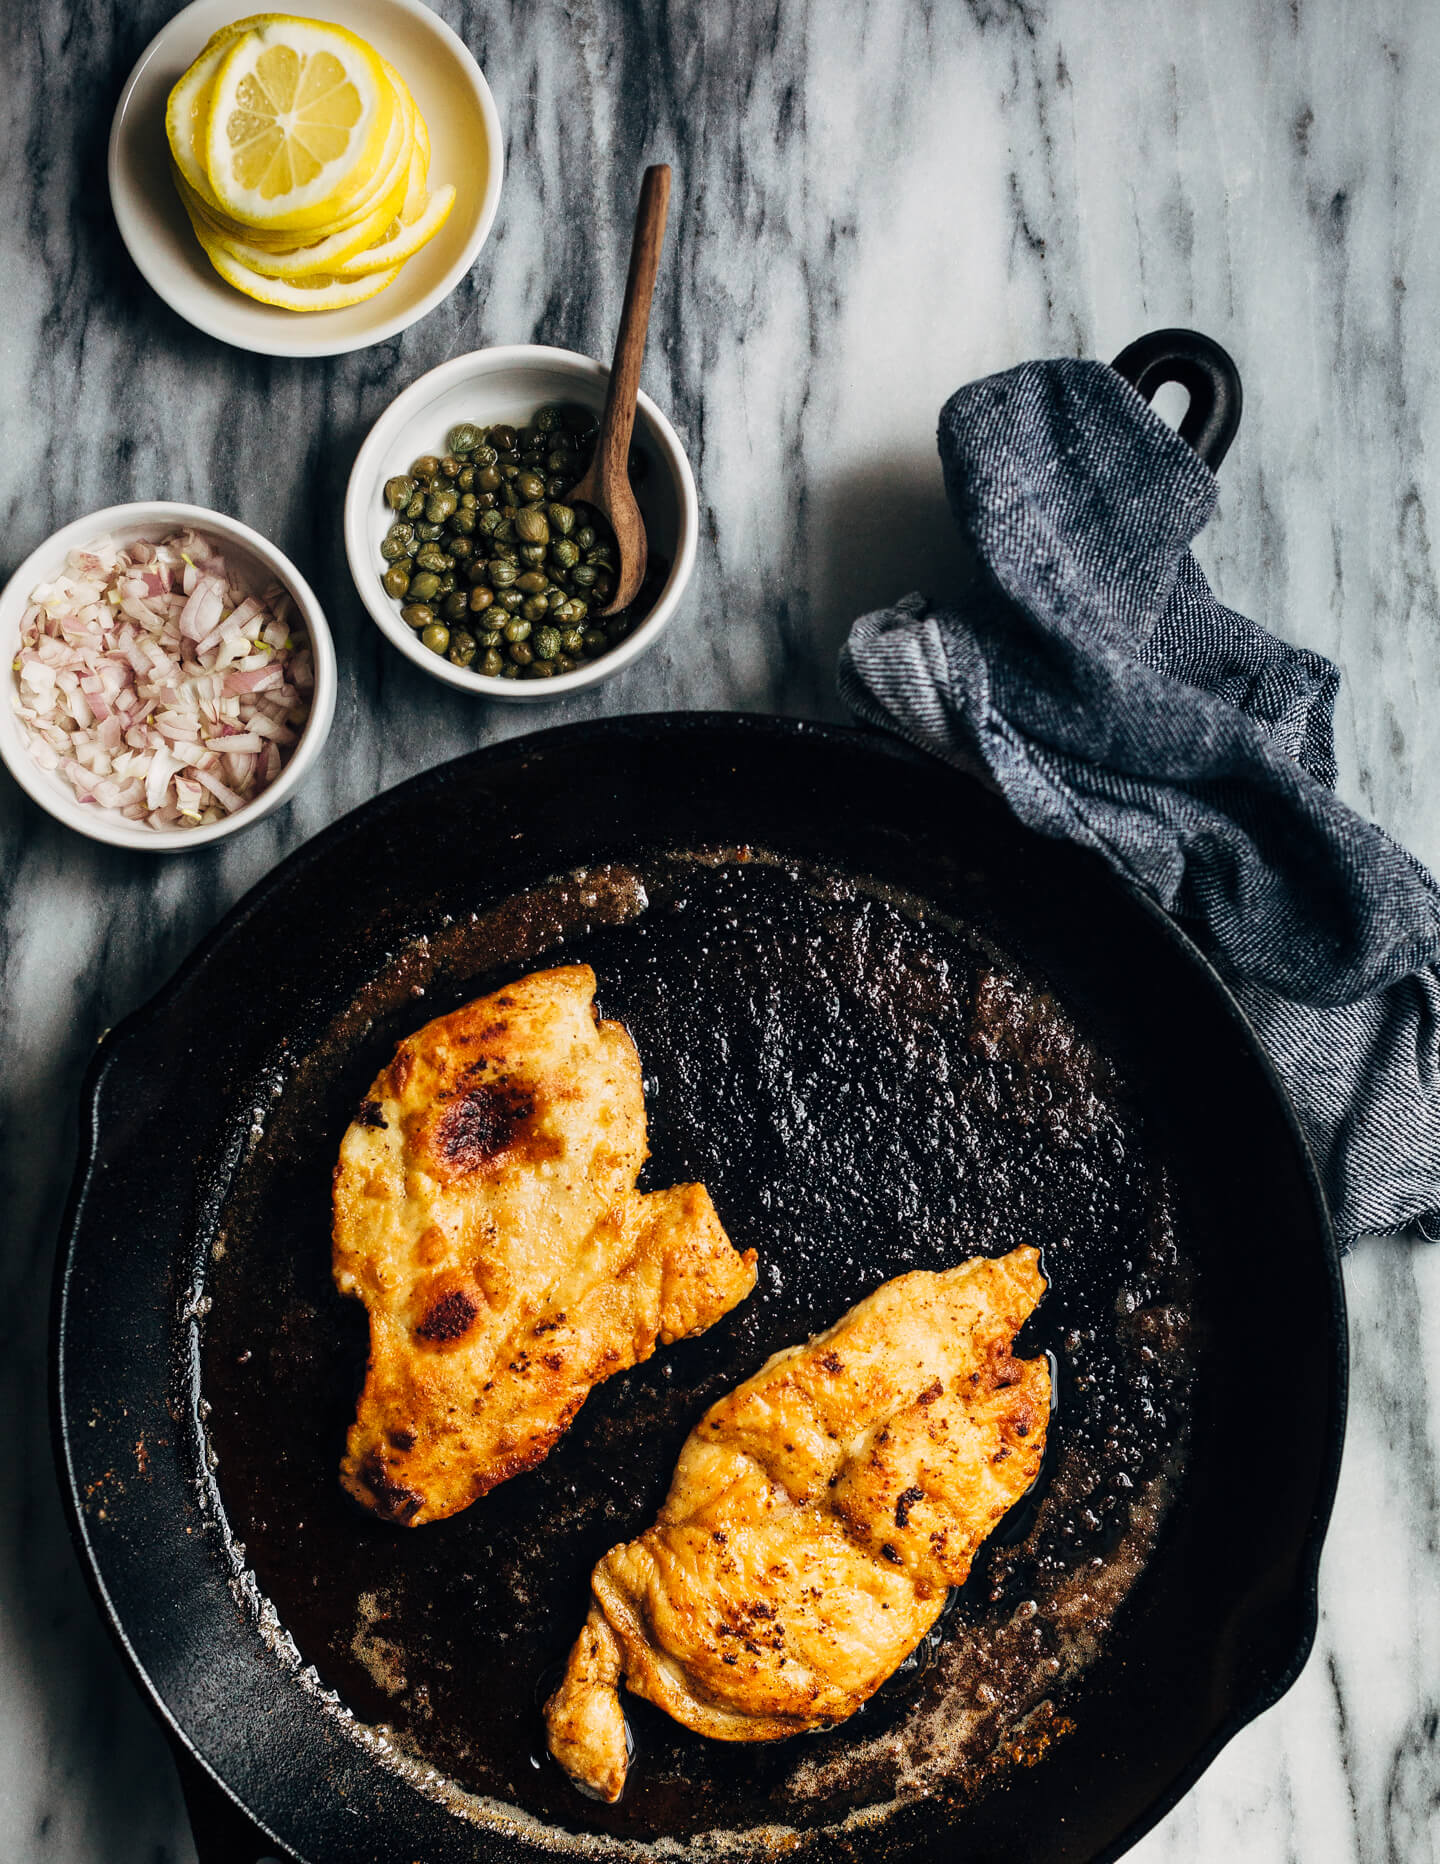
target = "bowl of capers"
x: 467, y: 548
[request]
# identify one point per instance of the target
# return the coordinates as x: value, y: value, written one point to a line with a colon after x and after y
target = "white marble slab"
x: 872, y: 204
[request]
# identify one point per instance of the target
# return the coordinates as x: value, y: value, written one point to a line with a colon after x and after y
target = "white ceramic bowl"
x: 260, y: 560
x: 467, y: 149
x: 509, y: 384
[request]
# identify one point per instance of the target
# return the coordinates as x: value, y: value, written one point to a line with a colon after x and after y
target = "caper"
x: 463, y: 437
x: 504, y: 532
x: 462, y: 649
x: 502, y: 438
x: 541, y: 670
x: 585, y: 537
x: 396, y: 543
x: 488, y: 479
x: 480, y: 599
x: 583, y: 575
x: 530, y: 526
x: 441, y: 503
x: 493, y: 662
x: 502, y: 574
x: 447, y: 582
x: 436, y: 637
x: 399, y: 491
x: 450, y: 466
x: 463, y: 523
x: 462, y: 548
x: 534, y: 607
x: 417, y: 614
x: 490, y: 522
x: 509, y: 469
x: 530, y: 485
x: 509, y: 672
x: 396, y: 581
x: 425, y: 468
x: 562, y: 519
x: 517, y: 630
x: 555, y: 487
x: 598, y: 554
x: 425, y: 586
x: 532, y: 553
x: 432, y: 557
x: 427, y: 532
x: 559, y: 461
x: 563, y: 553
x: 510, y: 600
x: 596, y: 640
x: 532, y: 582
x: 455, y: 606
x: 572, y: 613
x: 520, y: 653
x: 572, y: 641
x: 546, y: 643
x: 604, y: 586
x: 416, y: 506
x: 466, y: 483
x: 484, y: 456
x: 555, y: 598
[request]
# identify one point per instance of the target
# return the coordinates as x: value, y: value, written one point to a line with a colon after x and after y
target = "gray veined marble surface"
x: 872, y: 204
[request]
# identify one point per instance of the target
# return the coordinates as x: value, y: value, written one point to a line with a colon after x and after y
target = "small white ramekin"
x: 509, y: 384
x: 467, y: 148
x: 263, y: 562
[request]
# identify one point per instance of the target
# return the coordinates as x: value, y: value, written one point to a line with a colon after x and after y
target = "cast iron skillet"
x: 802, y: 920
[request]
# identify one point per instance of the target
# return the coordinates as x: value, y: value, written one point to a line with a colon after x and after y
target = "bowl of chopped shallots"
x: 171, y: 676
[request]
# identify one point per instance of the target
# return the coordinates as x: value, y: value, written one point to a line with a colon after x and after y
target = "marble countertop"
x: 872, y: 204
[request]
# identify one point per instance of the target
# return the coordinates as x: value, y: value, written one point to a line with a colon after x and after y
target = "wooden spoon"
x: 606, y: 485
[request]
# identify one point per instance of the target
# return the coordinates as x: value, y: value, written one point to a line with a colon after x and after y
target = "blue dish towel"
x: 1089, y: 675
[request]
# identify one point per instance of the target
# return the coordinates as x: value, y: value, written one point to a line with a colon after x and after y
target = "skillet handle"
x: 222, y: 1833
x: 1202, y: 368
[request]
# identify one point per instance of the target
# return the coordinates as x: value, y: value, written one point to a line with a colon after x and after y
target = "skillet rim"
x: 111, y: 1049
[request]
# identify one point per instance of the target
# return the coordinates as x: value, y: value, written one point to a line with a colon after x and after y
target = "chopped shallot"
x: 157, y: 685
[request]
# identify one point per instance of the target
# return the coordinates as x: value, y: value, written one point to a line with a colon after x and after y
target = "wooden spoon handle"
x: 617, y: 423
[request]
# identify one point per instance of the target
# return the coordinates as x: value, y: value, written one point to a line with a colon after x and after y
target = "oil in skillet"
x: 829, y: 1065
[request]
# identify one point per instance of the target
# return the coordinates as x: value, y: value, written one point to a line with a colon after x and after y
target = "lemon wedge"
x: 319, y: 292
x: 300, y: 112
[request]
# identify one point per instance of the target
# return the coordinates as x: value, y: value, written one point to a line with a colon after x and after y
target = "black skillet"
x: 887, y: 1026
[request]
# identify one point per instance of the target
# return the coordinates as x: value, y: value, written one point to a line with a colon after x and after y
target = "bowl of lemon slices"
x: 300, y: 186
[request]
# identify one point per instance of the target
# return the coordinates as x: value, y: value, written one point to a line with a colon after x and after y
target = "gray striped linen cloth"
x: 1088, y: 674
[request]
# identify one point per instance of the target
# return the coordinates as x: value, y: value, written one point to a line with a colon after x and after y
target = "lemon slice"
x: 319, y: 293
x: 324, y: 255
x: 388, y: 189
x: 299, y: 115
x: 187, y: 111
x: 405, y: 242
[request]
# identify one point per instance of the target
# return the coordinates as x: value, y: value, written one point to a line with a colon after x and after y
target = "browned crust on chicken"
x: 817, y: 1517
x: 486, y: 1214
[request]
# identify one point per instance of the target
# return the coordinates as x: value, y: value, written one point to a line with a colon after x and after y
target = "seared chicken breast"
x: 486, y: 1214
x: 817, y: 1518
